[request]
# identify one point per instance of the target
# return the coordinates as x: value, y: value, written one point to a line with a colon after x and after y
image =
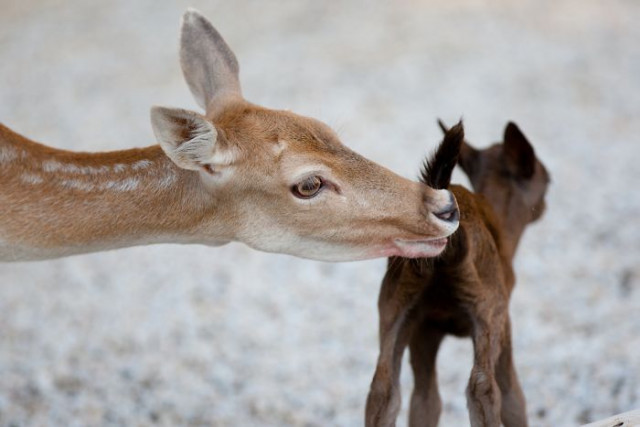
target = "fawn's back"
x: 473, y: 251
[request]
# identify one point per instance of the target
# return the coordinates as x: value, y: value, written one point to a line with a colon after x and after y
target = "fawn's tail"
x: 437, y: 169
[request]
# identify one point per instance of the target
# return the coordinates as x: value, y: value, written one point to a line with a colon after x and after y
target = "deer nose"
x: 450, y: 212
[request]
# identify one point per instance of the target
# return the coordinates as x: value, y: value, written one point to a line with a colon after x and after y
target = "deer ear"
x: 519, y: 154
x: 189, y: 139
x: 208, y: 64
x: 468, y: 159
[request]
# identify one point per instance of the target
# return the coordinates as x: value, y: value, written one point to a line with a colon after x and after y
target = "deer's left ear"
x: 209, y: 65
x: 520, y: 157
x: 189, y: 139
x: 468, y: 160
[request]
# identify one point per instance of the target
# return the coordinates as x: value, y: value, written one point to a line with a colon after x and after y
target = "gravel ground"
x: 188, y: 335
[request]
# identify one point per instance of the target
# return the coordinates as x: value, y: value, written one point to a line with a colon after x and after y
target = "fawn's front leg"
x: 397, y: 296
x: 483, y: 393
x: 514, y: 410
x: 426, y: 404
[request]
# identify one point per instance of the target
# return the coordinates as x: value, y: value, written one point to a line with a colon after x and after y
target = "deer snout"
x: 449, y: 212
x: 443, y: 210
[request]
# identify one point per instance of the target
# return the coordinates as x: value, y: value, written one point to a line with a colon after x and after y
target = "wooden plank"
x: 627, y: 419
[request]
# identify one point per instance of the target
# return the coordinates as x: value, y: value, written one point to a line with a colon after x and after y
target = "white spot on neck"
x: 167, y: 180
x: 119, y: 167
x: 77, y: 184
x: 80, y: 178
x: 52, y: 166
x: 128, y: 184
x: 7, y: 154
x: 141, y: 164
x: 29, y: 178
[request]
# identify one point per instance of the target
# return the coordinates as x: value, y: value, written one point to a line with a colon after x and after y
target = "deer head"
x: 510, y: 176
x: 281, y: 182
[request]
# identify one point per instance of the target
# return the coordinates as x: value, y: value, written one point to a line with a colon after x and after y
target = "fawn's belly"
x: 445, y: 312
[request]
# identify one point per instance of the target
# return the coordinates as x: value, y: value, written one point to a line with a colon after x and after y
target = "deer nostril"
x: 450, y: 214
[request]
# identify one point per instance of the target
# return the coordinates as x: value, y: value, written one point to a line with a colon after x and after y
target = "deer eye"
x: 308, y: 188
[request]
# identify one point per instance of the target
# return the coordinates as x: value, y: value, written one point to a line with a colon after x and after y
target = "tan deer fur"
x: 235, y: 173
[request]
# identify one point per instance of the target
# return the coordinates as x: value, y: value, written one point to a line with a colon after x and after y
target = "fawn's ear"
x: 189, y: 139
x: 519, y: 154
x: 208, y: 64
x: 468, y: 159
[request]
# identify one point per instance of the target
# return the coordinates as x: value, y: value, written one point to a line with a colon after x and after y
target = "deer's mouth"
x: 423, y: 248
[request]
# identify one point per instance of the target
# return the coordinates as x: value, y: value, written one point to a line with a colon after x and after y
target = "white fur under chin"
x: 421, y: 248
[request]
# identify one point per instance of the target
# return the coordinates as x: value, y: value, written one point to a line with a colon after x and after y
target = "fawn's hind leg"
x: 384, y: 400
x: 426, y: 404
x: 514, y: 411
x: 397, y: 297
x: 483, y: 393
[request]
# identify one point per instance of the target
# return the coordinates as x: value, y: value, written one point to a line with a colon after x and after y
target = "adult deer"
x: 465, y: 291
x: 277, y: 181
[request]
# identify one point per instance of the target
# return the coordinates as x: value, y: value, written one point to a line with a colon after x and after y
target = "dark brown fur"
x: 464, y: 292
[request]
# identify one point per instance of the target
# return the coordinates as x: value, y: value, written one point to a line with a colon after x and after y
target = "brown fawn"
x: 465, y: 291
x: 274, y: 180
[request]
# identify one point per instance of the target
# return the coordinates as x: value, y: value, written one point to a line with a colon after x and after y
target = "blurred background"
x: 189, y: 335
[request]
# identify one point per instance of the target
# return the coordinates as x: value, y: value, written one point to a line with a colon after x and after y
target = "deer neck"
x: 513, y: 228
x: 58, y: 203
x: 504, y: 227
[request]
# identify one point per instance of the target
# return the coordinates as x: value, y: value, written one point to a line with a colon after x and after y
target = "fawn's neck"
x: 507, y: 230
x: 512, y: 230
x: 57, y: 203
